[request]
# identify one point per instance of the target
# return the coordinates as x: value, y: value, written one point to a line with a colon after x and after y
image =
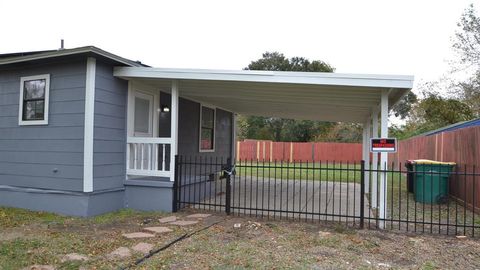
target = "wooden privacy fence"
x: 298, y: 151
x: 461, y: 146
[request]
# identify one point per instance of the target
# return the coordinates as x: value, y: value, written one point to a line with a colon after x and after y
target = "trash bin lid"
x: 427, y: 161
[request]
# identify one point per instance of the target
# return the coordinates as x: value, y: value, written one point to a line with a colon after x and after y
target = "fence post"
x: 175, y: 186
x: 362, y: 194
x: 228, y: 191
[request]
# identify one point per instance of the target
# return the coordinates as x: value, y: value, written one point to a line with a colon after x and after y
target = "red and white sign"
x: 385, y: 145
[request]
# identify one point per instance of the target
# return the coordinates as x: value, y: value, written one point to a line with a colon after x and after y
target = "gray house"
x: 84, y: 132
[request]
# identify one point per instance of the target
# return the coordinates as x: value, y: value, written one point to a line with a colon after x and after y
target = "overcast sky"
x: 379, y: 37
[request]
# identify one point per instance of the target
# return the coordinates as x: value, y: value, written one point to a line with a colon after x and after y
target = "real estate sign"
x: 379, y: 145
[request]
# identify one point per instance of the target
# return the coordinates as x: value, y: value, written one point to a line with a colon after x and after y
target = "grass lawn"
x: 341, y: 172
x: 28, y: 238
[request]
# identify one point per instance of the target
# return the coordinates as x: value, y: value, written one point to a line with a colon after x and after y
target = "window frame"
x: 22, y: 122
x: 200, y: 129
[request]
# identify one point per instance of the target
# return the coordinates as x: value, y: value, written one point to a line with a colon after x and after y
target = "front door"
x: 143, y: 114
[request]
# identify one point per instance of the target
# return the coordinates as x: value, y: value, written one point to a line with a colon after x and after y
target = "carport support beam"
x: 374, y: 160
x: 366, y: 152
x: 174, y: 129
x: 383, y: 158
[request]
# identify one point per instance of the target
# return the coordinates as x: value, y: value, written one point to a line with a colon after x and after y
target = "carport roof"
x: 298, y: 95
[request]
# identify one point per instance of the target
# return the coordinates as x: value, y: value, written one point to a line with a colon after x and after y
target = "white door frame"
x: 142, y: 91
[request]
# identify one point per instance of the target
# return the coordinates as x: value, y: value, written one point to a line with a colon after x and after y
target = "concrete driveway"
x: 325, y: 200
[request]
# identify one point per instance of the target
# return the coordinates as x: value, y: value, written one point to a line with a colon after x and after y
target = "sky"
x: 373, y: 37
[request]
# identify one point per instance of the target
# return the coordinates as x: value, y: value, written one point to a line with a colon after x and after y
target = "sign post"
x: 383, y: 146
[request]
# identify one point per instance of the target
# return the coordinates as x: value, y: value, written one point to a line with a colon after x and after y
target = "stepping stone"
x: 137, y: 235
x: 119, y: 253
x: 168, y: 219
x: 198, y: 216
x: 324, y: 234
x: 144, y: 248
x: 157, y: 229
x: 184, y: 222
x: 40, y: 267
x: 74, y: 257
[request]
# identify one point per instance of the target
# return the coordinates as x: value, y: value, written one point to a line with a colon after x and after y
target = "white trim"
x: 89, y: 125
x: 130, y: 109
x: 149, y: 140
x: 66, y: 52
x: 174, y: 127
x: 318, y: 78
x: 22, y: 122
x: 200, y: 129
x: 134, y: 172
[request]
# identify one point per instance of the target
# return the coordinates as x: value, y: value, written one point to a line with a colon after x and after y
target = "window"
x: 207, y: 129
x: 34, y: 93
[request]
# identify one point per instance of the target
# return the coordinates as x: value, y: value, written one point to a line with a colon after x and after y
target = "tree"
x: 467, y: 38
x: 275, y: 61
x: 304, y: 130
x: 433, y: 112
x: 280, y: 129
x: 342, y: 132
x: 437, y: 112
x: 253, y: 127
x: 404, y: 106
x: 467, y: 46
x: 470, y: 93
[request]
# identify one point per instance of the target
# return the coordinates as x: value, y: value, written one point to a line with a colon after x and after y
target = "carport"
x: 355, y: 98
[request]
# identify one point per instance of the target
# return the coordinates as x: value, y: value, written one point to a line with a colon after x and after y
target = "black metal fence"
x: 424, y: 199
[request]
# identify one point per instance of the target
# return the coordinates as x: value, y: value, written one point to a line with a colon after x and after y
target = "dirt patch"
x: 10, y: 235
x: 255, y: 243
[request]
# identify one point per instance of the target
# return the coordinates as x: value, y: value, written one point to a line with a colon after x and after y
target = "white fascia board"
x: 315, y: 78
x: 67, y: 52
x: 89, y: 125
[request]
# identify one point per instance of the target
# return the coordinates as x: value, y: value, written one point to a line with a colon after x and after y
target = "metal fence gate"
x: 356, y: 194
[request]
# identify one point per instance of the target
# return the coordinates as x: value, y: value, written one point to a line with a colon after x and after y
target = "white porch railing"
x: 148, y: 156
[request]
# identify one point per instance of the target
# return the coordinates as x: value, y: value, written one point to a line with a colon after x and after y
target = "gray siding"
x: 110, y: 129
x: 149, y: 197
x: 189, y: 128
x: 45, y: 157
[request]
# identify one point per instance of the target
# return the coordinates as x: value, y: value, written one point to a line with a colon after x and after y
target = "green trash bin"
x: 431, y: 180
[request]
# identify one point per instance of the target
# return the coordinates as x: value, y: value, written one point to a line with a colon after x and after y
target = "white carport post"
x: 174, y: 129
x: 233, y: 151
x: 366, y: 152
x: 374, y: 160
x: 383, y: 157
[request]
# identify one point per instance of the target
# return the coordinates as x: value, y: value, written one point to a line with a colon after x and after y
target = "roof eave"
x: 67, y: 52
x: 334, y: 79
